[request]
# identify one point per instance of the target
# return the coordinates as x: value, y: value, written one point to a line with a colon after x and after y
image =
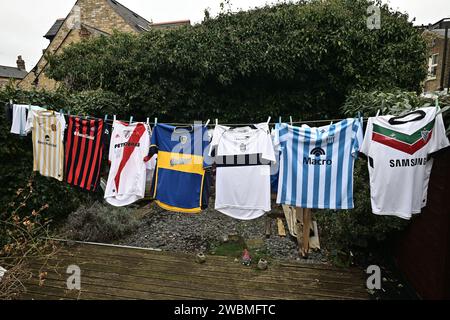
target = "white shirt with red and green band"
x: 398, y: 150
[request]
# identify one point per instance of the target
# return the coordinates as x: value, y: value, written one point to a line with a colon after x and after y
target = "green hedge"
x: 300, y: 59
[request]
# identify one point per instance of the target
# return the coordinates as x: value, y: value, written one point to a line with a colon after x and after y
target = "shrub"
x: 99, y: 223
x: 300, y: 59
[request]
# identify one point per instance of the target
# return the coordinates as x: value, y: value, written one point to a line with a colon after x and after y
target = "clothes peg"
x: 290, y: 120
x: 268, y: 120
x: 131, y: 119
x: 156, y: 121
x: 378, y: 113
x: 114, y: 117
x: 61, y: 111
x: 148, y: 121
x: 10, y: 101
x: 206, y: 124
x: 106, y: 117
x: 279, y: 120
x: 437, y: 102
x: 217, y: 122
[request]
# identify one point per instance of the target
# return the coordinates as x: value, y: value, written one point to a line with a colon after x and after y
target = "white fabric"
x: 19, y: 120
x: 31, y: 113
x: 398, y: 179
x: 243, y: 191
x: 132, y: 178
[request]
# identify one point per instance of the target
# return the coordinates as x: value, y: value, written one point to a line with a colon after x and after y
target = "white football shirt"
x: 128, y: 152
x: 397, y: 149
x: 243, y: 156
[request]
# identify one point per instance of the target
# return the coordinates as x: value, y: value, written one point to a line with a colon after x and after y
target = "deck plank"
x: 127, y: 273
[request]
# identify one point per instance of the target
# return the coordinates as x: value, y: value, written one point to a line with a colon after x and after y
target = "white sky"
x: 24, y: 22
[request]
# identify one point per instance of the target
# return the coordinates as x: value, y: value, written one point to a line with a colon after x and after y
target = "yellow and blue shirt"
x: 181, y: 183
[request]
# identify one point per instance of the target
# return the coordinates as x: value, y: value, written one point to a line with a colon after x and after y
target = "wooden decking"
x: 127, y: 273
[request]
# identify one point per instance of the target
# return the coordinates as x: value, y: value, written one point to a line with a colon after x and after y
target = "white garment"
x: 129, y: 147
x: 243, y: 157
x: 19, y: 120
x: 397, y: 159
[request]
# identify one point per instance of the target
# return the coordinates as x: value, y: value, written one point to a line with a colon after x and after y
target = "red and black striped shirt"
x: 84, y: 150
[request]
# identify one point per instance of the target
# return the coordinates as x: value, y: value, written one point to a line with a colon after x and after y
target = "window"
x: 432, y: 66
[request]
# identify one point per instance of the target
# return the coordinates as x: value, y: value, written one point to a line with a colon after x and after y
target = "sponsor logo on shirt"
x: 316, y: 158
x: 47, y: 141
x: 127, y: 144
x: 81, y: 135
x: 179, y: 161
x: 407, y: 162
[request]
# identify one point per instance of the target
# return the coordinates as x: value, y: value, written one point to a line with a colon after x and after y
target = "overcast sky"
x: 24, y: 22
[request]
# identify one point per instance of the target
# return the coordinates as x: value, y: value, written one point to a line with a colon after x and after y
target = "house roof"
x: 170, y: 24
x: 54, y: 29
x: 12, y: 72
x: 137, y: 22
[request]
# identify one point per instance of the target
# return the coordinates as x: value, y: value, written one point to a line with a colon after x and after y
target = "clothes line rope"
x: 111, y: 121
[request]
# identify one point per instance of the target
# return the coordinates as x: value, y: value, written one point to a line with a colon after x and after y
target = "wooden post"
x: 306, y: 232
x: 299, y: 228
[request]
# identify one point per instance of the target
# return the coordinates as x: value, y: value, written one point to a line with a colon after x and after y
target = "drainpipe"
x: 444, y: 61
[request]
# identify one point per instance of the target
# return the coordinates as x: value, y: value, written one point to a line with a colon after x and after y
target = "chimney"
x: 20, y: 63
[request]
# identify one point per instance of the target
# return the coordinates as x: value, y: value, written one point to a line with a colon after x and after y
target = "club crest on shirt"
x: 127, y: 134
x: 183, y: 139
x: 242, y: 147
x: 425, y: 134
x: 53, y: 127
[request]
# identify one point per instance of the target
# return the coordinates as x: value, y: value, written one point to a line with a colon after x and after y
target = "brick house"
x: 13, y: 74
x: 87, y: 18
x: 438, y: 78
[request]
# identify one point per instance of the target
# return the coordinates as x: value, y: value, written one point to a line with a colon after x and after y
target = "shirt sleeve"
x: 62, y: 121
x: 268, y: 152
x: 217, y: 134
x: 367, y: 138
x: 146, y: 146
x: 153, y: 142
x: 358, y: 136
x: 111, y: 145
x: 30, y: 118
x: 438, y: 139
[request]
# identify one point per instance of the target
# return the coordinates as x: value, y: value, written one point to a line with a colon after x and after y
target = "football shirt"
x: 48, y: 142
x: 316, y: 164
x: 84, y: 151
x: 181, y: 183
x: 128, y: 150
x: 243, y: 157
x: 398, y: 149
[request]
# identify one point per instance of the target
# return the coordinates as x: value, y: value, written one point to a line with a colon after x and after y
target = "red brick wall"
x: 434, y: 84
x: 423, y: 250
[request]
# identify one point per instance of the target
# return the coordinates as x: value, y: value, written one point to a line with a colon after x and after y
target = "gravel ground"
x: 191, y: 233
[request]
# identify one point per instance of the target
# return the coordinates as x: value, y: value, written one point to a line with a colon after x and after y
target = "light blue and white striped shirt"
x: 316, y: 164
